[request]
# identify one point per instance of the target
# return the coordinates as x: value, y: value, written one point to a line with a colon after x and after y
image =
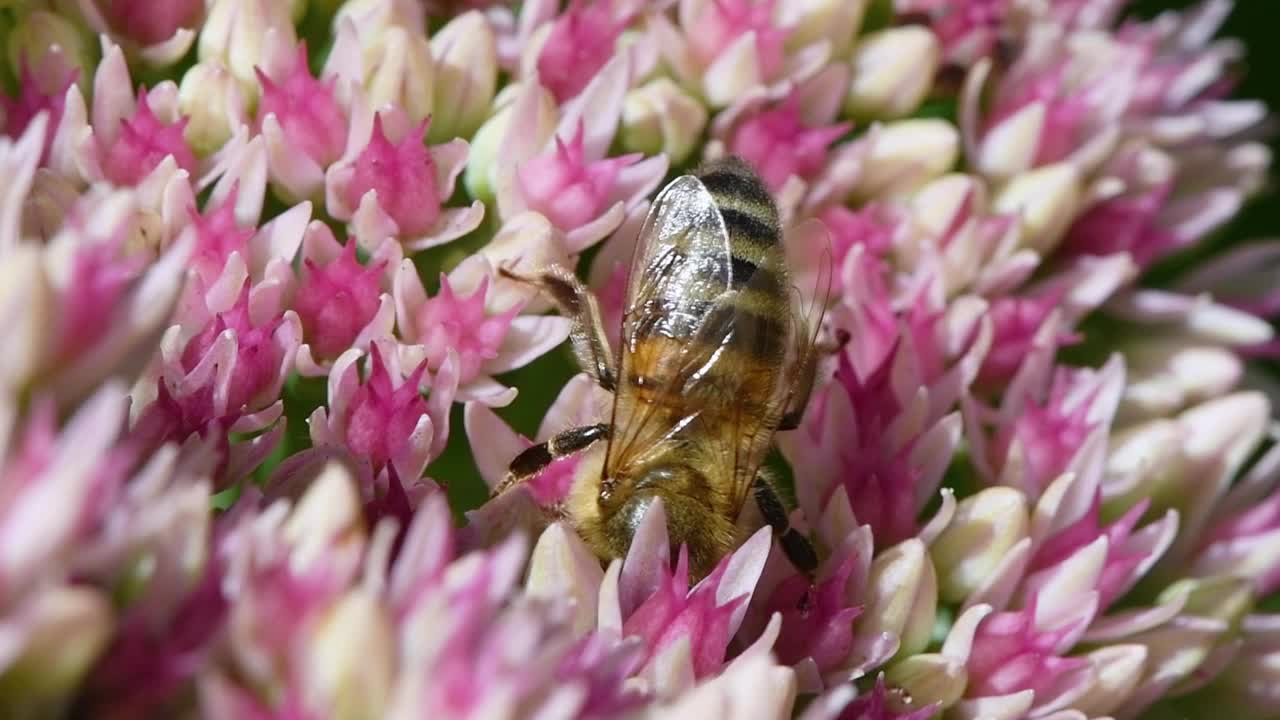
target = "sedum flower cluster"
x: 257, y: 359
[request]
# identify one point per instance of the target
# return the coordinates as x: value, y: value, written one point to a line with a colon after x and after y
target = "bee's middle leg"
x: 803, y: 374
x: 797, y: 547
x: 575, y: 301
x: 535, y: 458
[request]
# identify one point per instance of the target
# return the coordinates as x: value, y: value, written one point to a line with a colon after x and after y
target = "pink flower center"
x: 449, y: 322
x: 1010, y: 655
x: 218, y: 235
x: 875, y: 705
x: 258, y: 356
x: 567, y: 188
x: 1049, y: 435
x: 337, y: 300
x: 149, y: 23
x: 724, y: 21
x: 967, y: 28
x: 307, y: 110
x: 871, y: 227
x: 817, y: 621
x: 673, y: 612
x: 404, y: 177
x: 779, y: 144
x: 382, y: 417
x: 143, y: 142
x: 580, y: 43
x: 1117, y: 572
x: 1016, y: 321
x: 1128, y: 223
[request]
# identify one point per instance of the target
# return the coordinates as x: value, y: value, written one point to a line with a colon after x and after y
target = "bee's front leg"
x: 797, y: 547
x: 575, y: 301
x: 535, y: 458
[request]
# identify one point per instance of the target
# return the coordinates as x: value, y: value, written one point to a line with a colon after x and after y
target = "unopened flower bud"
x: 985, y: 527
x: 934, y: 206
x: 811, y: 21
x: 1249, y: 688
x: 902, y: 596
x: 524, y: 244
x: 1046, y: 200
x: 1167, y: 374
x: 210, y: 100
x: 482, y: 158
x: 351, y: 659
x: 562, y: 565
x: 466, y: 68
x: 235, y: 32
x: 329, y: 511
x: 929, y: 678
x: 1145, y: 461
x: 906, y: 154
x: 61, y: 637
x: 659, y: 117
x: 892, y: 72
x: 1010, y: 146
x: 400, y: 71
x: 50, y: 46
x: 1223, y: 597
x: 1117, y: 670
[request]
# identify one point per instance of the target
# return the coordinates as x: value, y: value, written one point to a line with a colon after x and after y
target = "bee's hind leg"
x: 535, y: 458
x: 575, y: 301
x: 803, y: 374
x: 797, y: 547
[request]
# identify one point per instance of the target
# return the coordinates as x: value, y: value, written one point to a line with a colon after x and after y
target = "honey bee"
x: 714, y: 360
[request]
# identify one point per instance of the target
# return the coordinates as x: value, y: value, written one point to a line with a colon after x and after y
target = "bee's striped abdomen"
x: 758, y: 265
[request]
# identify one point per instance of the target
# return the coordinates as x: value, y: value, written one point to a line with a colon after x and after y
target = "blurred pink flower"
x: 144, y: 140
x: 160, y: 33
x: 33, y: 99
x: 877, y: 705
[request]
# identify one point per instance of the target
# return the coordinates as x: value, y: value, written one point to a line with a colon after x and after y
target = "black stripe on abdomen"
x: 745, y: 227
x: 736, y: 184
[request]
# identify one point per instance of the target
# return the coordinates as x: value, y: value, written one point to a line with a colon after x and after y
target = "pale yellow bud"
x: 905, y: 154
x: 985, y: 528
x: 65, y: 631
x: 811, y: 21
x: 659, y: 117
x: 352, y: 658
x: 892, y: 72
x: 482, y: 158
x: 235, y: 33
x: 43, y: 40
x: 902, y: 596
x: 400, y: 71
x: 466, y: 68
x: 929, y: 678
x: 210, y: 99
x: 1046, y: 200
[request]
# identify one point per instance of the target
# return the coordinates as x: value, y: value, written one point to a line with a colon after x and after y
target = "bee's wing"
x: 680, y: 272
x: 746, y: 443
